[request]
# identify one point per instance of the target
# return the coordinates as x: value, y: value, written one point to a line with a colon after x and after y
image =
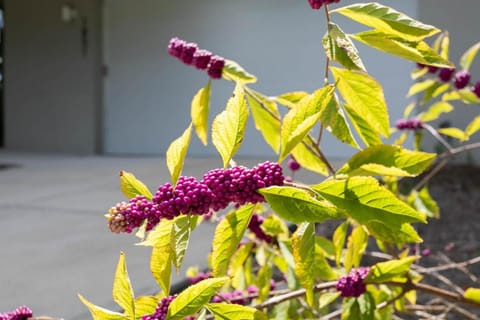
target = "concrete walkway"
x: 54, y: 242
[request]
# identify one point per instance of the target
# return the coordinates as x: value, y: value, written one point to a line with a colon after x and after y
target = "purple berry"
x: 175, y: 47
x: 352, y: 285
x: 476, y: 89
x: 315, y: 4
x: 215, y: 67
x: 188, y: 52
x: 446, y: 74
x: 201, y: 59
x: 426, y: 252
x: 293, y: 164
x: 411, y: 124
x: 161, y: 310
x: 255, y: 227
x: 124, y: 217
x: 420, y: 65
x: 20, y: 313
x: 432, y: 69
x: 462, y: 78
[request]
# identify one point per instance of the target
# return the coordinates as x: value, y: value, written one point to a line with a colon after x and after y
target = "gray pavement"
x: 54, y: 242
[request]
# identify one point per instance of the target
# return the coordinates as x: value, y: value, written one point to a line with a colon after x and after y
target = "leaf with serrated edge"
x: 410, y: 50
x: 199, y: 112
x: 435, y: 110
x: 365, y: 95
x: 176, y: 153
x: 303, y: 245
x: 190, y: 300
x: 298, y: 206
x: 228, y: 311
x: 365, y: 130
x: 228, y: 127
x: 122, y: 289
x: 99, y: 313
x: 387, y: 160
x: 389, y: 270
x: 233, y: 71
x: 387, y: 20
x: 340, y: 48
x: 267, y: 119
x: 302, y: 118
x: 180, y: 237
x: 132, y: 187
x: 364, y: 199
x: 228, y: 234
x: 467, y: 58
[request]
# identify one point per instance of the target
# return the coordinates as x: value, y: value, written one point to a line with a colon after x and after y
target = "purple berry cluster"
x: 190, y: 54
x: 352, y: 285
x: 161, y: 310
x: 236, y: 296
x: 199, y: 277
x: 409, y: 124
x: 255, y: 227
x: 461, y: 79
x: 217, y: 190
x: 317, y: 4
x: 20, y: 313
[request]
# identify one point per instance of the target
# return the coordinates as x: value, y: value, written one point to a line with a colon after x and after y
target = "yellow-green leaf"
x: 387, y: 160
x: 298, y: 206
x: 228, y: 311
x: 473, y: 126
x: 356, y: 246
x: 199, y: 112
x: 418, y: 87
x: 390, y: 270
x: 145, y: 305
x: 340, y: 48
x: 122, y: 289
x: 424, y: 203
x: 467, y: 58
x: 302, y: 118
x: 435, y: 110
x: 454, y: 133
x: 472, y: 294
x: 327, y: 299
x: 194, y: 298
x: 132, y: 187
x: 365, y: 95
x: 465, y: 95
x: 289, y: 99
x: 338, y: 239
x: 234, y: 72
x: 303, y: 245
x: 363, y: 127
x: 227, y: 236
x: 306, y: 156
x: 99, y: 313
x: 267, y: 119
x: 228, y: 127
x: 180, y: 237
x: 176, y: 153
x: 387, y: 20
x: 416, y: 51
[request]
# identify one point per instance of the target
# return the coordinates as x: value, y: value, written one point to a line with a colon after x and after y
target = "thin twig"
x: 438, y: 137
x: 454, y: 265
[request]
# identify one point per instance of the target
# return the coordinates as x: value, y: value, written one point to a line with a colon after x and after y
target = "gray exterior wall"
x: 53, y: 91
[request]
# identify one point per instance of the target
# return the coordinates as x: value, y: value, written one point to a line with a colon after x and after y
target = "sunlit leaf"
x: 233, y: 71
x: 363, y: 127
x: 122, y: 289
x: 338, y: 239
x: 234, y: 311
x: 465, y: 95
x: 132, y: 187
x: 435, y: 110
x: 99, y: 313
x: 264, y: 276
x: 367, y: 306
x: 327, y: 298
x: 145, y: 305
x: 356, y: 246
x: 180, y: 237
x: 340, y: 48
x: 467, y: 58
x: 473, y: 126
x: 408, y: 109
x: 176, y: 153
x: 388, y: 20
x: 303, y: 244
x: 228, y: 127
x: 393, y: 270
x: 192, y: 299
x: 416, y: 51
x: 454, y: 133
x: 472, y: 294
x: 387, y: 160
x: 418, y: 87
x: 199, y: 112
x: 308, y: 158
x: 424, y: 203
x: 289, y: 99
x: 227, y: 236
x: 298, y: 206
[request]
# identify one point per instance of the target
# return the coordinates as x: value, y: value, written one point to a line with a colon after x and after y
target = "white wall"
x: 148, y: 93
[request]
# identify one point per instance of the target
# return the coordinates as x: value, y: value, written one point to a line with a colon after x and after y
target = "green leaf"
x: 364, y: 129
x: 435, y: 110
x: 472, y: 294
x: 398, y: 233
x: 296, y: 205
x: 145, y: 305
x: 307, y: 157
x: 233, y: 71
x: 365, y: 95
x: 387, y: 160
x: 473, y: 126
x: 274, y: 226
x: 228, y: 128
x: 199, y: 112
x: 356, y: 246
x: 227, y: 236
x: 416, y: 51
x: 341, y: 49
x: 303, y: 245
x: 338, y: 239
x: 418, y: 87
x: 192, y: 299
x: 267, y: 119
x: 290, y: 99
x: 424, y: 203
x: 264, y: 276
x: 176, y: 153
x: 364, y: 199
x: 182, y: 227
x: 408, y: 109
x: 302, y: 118
x: 99, y: 313
x: 322, y: 269
x: 326, y: 247
x: 454, y: 133
x: 442, y: 44
x: 467, y: 58
x: 351, y: 309
x: 327, y: 299
x: 228, y: 311
x: 122, y: 289
x: 132, y: 187
x: 333, y: 119
x: 387, y: 20
x: 465, y: 95
x: 393, y: 270
x: 367, y: 306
